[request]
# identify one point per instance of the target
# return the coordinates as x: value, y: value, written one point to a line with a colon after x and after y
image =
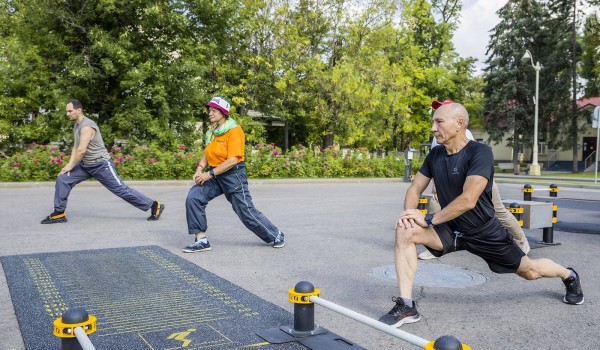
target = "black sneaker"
x: 574, y: 294
x: 279, y: 241
x: 55, y: 217
x: 156, y: 211
x: 197, y: 247
x: 401, y: 314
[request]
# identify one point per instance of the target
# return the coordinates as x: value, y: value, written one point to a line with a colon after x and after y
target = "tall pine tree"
x: 510, y: 83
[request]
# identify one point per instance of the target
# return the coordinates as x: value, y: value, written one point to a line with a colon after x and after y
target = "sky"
x: 471, y: 38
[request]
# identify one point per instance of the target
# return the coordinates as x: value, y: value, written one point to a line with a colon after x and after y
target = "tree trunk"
x: 515, y: 158
x: 327, y: 140
x: 574, y: 91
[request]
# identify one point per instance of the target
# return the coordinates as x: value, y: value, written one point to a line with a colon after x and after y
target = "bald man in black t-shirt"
x: 463, y: 171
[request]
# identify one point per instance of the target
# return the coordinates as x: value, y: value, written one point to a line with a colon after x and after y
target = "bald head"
x: 455, y: 110
x: 449, y: 124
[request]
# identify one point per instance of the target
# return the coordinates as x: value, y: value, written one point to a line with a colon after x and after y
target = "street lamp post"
x: 534, y: 168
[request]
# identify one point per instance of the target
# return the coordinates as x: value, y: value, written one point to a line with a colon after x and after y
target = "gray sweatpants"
x: 234, y: 185
x: 103, y: 171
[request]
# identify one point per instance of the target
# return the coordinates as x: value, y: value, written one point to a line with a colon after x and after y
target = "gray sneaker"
x: 197, y: 247
x: 401, y: 314
x: 574, y: 294
x: 279, y: 241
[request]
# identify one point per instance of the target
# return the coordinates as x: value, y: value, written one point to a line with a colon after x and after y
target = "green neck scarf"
x: 229, y: 124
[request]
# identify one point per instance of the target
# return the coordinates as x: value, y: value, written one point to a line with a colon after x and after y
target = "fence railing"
x: 589, y: 160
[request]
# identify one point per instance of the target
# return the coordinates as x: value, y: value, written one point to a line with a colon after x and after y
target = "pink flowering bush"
x: 38, y: 163
x: 268, y: 161
x: 151, y: 162
x: 140, y: 162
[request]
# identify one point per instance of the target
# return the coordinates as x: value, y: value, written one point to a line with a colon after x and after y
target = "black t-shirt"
x: 450, y: 172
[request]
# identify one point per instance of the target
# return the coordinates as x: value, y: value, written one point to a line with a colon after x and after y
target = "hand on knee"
x: 405, y: 236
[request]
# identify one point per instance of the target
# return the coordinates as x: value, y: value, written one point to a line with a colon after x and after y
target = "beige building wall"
x: 502, y: 153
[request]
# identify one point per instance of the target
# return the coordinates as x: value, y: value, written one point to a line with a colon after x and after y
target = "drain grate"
x: 435, y: 275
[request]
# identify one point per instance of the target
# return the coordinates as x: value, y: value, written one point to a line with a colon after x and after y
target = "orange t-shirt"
x: 231, y: 144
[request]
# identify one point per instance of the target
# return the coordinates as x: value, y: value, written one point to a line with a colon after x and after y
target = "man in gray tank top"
x: 89, y: 158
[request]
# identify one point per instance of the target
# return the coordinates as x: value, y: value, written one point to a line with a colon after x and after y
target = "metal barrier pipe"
x: 84, y: 341
x: 413, y: 339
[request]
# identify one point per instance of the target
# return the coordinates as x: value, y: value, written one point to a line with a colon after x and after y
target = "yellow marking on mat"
x: 51, y: 298
x: 255, y: 345
x: 203, y: 286
x: 181, y: 336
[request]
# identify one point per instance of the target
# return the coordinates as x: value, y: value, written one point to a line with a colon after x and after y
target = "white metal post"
x: 596, y: 124
x: 534, y: 168
x: 597, y: 145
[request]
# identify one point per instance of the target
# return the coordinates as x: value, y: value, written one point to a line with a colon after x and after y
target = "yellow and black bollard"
x: 527, y: 192
x: 304, y: 309
x: 423, y: 201
x: 65, y: 326
x: 516, y: 210
x: 548, y: 232
x: 446, y: 342
x: 554, y: 190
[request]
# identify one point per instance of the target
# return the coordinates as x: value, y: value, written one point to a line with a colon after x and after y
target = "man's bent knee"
x: 407, y: 235
x: 527, y: 269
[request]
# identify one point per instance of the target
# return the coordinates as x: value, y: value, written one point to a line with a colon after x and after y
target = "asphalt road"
x: 338, y: 232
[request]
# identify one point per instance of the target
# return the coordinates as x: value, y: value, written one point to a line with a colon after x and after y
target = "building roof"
x: 588, y: 102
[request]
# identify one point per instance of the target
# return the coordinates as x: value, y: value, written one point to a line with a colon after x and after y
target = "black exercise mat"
x: 143, y: 298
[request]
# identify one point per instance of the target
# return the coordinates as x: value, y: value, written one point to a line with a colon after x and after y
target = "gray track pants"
x: 234, y: 185
x: 105, y: 173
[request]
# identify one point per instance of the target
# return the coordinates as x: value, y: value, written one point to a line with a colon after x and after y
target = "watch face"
x: 428, y: 218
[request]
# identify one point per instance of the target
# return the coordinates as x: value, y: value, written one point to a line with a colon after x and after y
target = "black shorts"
x: 491, y: 242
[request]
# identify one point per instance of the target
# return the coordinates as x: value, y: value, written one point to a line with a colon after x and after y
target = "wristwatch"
x: 211, y: 173
x: 428, y: 218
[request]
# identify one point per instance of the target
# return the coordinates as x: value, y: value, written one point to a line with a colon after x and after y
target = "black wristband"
x: 211, y: 173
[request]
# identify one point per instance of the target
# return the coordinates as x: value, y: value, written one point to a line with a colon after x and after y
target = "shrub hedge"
x: 150, y: 162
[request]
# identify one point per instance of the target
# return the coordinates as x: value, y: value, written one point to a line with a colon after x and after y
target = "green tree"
x: 510, y: 83
x: 590, y: 57
x: 340, y: 72
x: 141, y: 68
x: 435, y: 70
x: 548, y: 31
x: 561, y: 56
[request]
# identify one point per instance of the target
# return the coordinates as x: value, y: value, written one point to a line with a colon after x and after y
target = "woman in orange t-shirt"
x: 222, y: 171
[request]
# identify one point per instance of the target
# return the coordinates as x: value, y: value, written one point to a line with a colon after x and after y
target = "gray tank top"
x: 96, y: 151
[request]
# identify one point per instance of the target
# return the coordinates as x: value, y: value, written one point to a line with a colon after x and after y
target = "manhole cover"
x: 435, y: 275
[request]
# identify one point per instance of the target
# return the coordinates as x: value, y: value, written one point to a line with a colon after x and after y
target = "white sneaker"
x: 426, y: 255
